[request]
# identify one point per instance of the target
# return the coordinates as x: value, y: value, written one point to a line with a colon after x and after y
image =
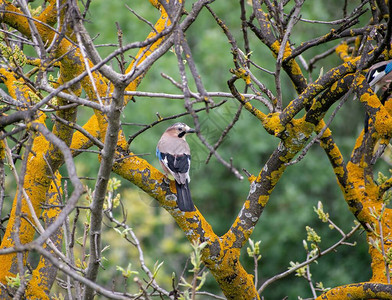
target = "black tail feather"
x: 184, y: 200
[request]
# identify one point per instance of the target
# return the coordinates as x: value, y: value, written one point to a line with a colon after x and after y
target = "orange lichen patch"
x: 372, y: 189
x: 287, y: 51
x: 378, y: 260
x: 377, y: 264
x: 121, y: 140
x: 16, y: 19
x: 368, y: 206
x: 79, y: 140
x: 275, y: 47
x: 141, y: 173
x: 53, y: 200
x: 26, y: 234
x: 299, y: 130
x: 253, y: 110
x: 338, y: 170
x: 155, y: 3
x: 388, y: 106
x: 49, y: 14
x: 63, y: 132
x: 230, y: 238
x: 247, y: 204
x: 275, y: 176
x: 361, y: 203
x: 37, y: 180
x: 251, y: 178
x: 387, y: 53
x: 37, y: 289
x: 333, y: 150
x: 383, y: 123
x: 336, y: 87
x: 294, y: 67
x: 17, y: 89
x: 162, y: 23
x: 234, y: 281
x: 2, y: 150
x: 342, y: 52
x: 272, y: 123
x: 356, y: 175
x: 360, y: 79
x: 195, y: 233
x: 370, y: 98
x: 68, y: 71
x: 263, y: 200
x: 364, y: 290
x: 243, y: 74
x: 43, y: 275
x: 186, y: 221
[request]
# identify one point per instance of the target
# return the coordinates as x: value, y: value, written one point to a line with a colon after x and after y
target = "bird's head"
x: 179, y: 130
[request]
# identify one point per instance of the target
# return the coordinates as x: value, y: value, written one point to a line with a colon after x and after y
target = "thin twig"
x: 305, y: 263
x: 160, y: 120
x: 226, y: 131
x: 320, y: 134
x: 279, y: 59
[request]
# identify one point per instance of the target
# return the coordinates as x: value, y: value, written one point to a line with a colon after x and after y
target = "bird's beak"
x: 190, y: 130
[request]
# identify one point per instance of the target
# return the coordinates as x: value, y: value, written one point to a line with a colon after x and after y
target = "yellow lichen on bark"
x: 36, y: 183
x: 263, y: 200
x: 379, y: 240
x: 38, y: 174
x: 162, y: 23
x: 2, y: 151
x: 342, y: 52
x: 333, y: 150
x: 383, y: 120
x: 17, y: 89
x: 79, y: 140
x: 49, y: 14
x: 134, y: 169
x: 43, y: 275
x: 294, y: 67
x: 234, y: 281
x: 272, y: 123
x: 362, y: 290
x: 196, y: 228
x: 16, y: 19
x: 38, y: 284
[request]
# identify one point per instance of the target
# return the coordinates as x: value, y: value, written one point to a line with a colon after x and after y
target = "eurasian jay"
x: 379, y: 76
x: 175, y: 157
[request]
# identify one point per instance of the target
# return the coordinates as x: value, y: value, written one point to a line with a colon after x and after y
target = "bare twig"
x: 308, y: 261
x: 108, y: 152
x: 160, y: 120
x: 285, y: 43
x: 320, y: 134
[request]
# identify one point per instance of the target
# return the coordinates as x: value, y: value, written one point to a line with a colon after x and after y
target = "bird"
x: 174, y: 155
x: 379, y: 77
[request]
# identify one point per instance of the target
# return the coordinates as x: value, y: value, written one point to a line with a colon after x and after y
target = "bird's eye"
x: 179, y: 128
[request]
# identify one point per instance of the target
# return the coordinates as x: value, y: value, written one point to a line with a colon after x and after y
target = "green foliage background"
x: 216, y: 192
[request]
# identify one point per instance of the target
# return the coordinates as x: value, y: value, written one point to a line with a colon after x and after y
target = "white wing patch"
x: 377, y: 76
